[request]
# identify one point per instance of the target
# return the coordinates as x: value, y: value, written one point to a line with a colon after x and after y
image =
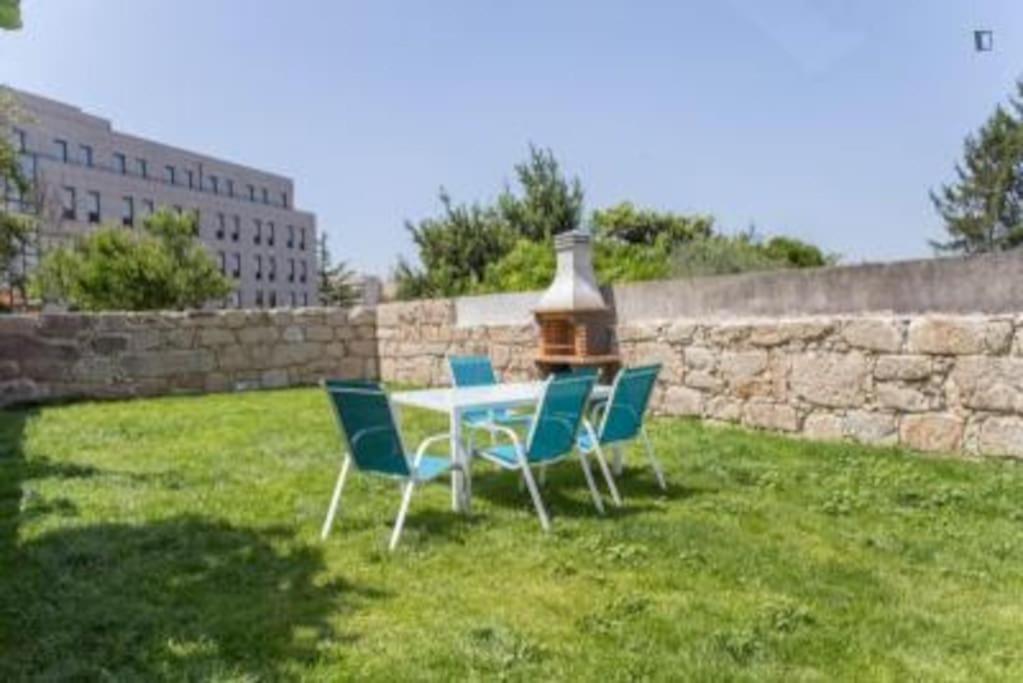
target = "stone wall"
x: 59, y: 356
x: 930, y: 382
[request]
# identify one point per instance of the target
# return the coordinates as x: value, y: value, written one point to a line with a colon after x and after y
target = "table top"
x: 489, y: 396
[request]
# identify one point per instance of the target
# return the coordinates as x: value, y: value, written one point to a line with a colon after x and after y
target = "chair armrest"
x: 425, y: 444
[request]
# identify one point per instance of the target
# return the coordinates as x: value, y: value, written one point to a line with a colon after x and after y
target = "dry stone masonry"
x: 61, y: 356
x: 927, y: 382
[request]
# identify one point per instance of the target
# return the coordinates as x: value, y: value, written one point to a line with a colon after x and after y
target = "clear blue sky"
x: 824, y: 119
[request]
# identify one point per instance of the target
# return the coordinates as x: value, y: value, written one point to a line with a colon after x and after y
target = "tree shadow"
x: 185, y: 597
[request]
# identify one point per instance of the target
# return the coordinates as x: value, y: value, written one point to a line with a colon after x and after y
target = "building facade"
x: 87, y: 175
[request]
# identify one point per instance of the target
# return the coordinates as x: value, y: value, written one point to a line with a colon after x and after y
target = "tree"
x: 454, y: 250
x: 162, y: 266
x: 335, y: 281
x: 797, y: 253
x: 10, y: 14
x: 625, y: 223
x: 549, y: 204
x: 17, y: 227
x: 983, y: 209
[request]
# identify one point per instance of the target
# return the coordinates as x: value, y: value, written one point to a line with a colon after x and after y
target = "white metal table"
x: 457, y: 401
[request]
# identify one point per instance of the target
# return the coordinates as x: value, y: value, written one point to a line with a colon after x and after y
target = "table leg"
x: 457, y: 458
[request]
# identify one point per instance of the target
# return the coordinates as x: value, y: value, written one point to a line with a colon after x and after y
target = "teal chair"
x: 620, y: 421
x: 366, y: 422
x: 474, y: 371
x: 553, y: 435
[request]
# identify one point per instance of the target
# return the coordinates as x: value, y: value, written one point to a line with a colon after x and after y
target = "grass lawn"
x: 177, y: 538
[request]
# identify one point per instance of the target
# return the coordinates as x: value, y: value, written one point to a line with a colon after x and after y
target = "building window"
x: 149, y: 206
x: 252, y: 192
x: 120, y: 163
x: 171, y: 175
x: 86, y: 155
x: 291, y: 237
x: 270, y: 236
x: 229, y: 187
x: 143, y: 168
x: 305, y: 272
x: 68, y: 202
x: 301, y: 239
x: 259, y: 266
x: 61, y: 150
x: 291, y: 270
x: 273, y: 299
x: 259, y: 298
x: 128, y: 212
x: 221, y: 226
x: 284, y: 199
x: 272, y: 270
x: 190, y: 178
x: 236, y: 272
x: 93, y: 207
x: 214, y: 184
x: 237, y: 232
x: 257, y: 237
x: 222, y: 257
x: 266, y: 196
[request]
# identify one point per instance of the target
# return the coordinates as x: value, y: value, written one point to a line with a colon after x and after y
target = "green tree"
x: 549, y: 204
x: 10, y: 14
x: 625, y: 223
x: 983, y: 208
x: 336, y: 281
x: 796, y: 253
x: 161, y: 266
x: 17, y: 227
x: 454, y: 250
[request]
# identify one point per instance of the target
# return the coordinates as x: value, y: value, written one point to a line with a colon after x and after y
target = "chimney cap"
x: 575, y: 285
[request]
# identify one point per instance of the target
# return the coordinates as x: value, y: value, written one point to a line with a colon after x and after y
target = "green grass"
x: 177, y: 539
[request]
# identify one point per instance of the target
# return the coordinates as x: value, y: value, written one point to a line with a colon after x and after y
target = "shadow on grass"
x: 185, y: 597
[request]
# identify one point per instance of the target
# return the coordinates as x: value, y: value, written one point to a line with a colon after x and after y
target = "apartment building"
x: 92, y: 175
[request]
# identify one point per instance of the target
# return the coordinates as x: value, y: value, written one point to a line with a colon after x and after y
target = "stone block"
x: 905, y: 398
x: 108, y: 344
x: 940, y: 335
x: 724, y: 409
x: 274, y: 379
x: 167, y: 363
x: 902, y: 367
x: 638, y: 332
x: 699, y: 358
x: 680, y: 332
x: 63, y: 325
x: 682, y: 401
x: 776, y: 334
x: 702, y: 380
x: 823, y: 426
x: 296, y: 353
x: 931, y: 432
x: 1001, y: 435
x: 319, y: 333
x: 216, y: 336
x: 361, y: 315
x: 95, y: 369
x: 293, y: 333
x: 830, y: 379
x: 989, y: 383
x: 869, y: 427
x: 773, y: 416
x: 258, y: 335
x: 873, y: 334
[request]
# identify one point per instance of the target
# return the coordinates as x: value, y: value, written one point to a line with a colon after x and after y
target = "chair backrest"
x: 628, y: 402
x: 366, y: 421
x: 556, y: 425
x: 580, y: 371
x: 471, y: 371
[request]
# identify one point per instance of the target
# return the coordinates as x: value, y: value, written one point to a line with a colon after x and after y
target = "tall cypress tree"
x: 983, y: 209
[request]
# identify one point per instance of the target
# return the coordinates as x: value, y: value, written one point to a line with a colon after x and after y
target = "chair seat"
x: 482, y: 418
x: 431, y: 467
x: 504, y: 453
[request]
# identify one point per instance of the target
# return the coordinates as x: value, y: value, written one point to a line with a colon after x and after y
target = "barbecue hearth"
x: 574, y: 320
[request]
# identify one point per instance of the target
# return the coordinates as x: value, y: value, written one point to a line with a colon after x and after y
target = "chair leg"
x: 543, y: 476
x: 335, y: 500
x: 589, y: 482
x: 598, y: 454
x: 534, y: 492
x: 618, y: 459
x: 406, y: 498
x: 658, y: 472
